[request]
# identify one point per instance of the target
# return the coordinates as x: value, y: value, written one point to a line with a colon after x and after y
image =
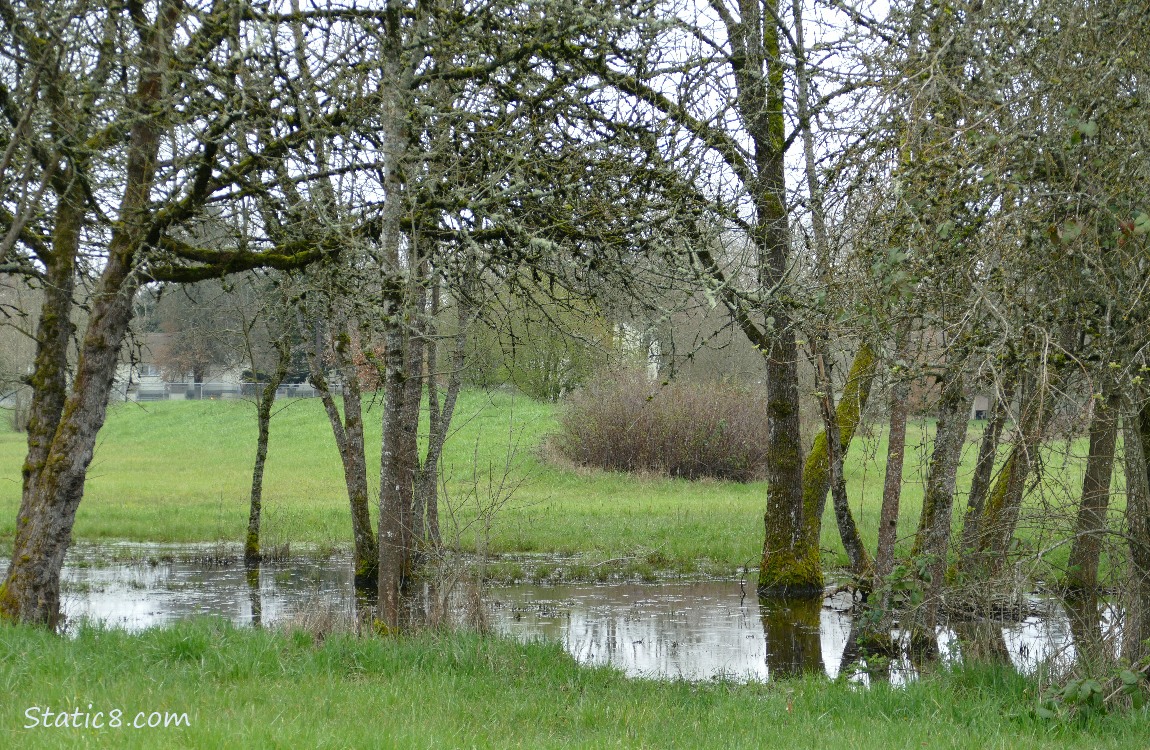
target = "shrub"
x: 624, y: 422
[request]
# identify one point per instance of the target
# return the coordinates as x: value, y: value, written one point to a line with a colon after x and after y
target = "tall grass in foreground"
x: 254, y: 688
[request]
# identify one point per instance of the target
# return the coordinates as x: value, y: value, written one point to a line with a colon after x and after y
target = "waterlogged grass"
x: 268, y: 689
x: 181, y: 472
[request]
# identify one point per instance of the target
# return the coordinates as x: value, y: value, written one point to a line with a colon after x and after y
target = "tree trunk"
x: 848, y: 414
x: 933, y: 538
x: 1000, y: 515
x: 57, y: 462
x: 252, y: 549
x: 349, y: 440
x: 392, y: 513
x: 980, y: 483
x: 31, y: 591
x: 439, y: 420
x: 790, y: 563
x: 949, y: 436
x: 861, y: 565
x: 414, y: 373
x: 394, y: 507
x: 1136, y: 627
x: 1090, y: 527
x: 877, y: 621
x: 892, y: 483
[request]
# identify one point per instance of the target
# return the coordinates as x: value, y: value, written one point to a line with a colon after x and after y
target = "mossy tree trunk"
x: 54, y: 488
x: 392, y: 513
x: 66, y: 422
x: 395, y: 96
x: 1000, y: 513
x: 825, y: 463
x: 983, y: 473
x: 1090, y: 525
x: 252, y: 548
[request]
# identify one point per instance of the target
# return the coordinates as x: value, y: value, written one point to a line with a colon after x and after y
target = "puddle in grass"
x: 678, y: 630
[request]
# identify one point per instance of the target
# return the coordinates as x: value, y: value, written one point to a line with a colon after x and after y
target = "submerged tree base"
x: 784, y: 574
x: 791, y: 591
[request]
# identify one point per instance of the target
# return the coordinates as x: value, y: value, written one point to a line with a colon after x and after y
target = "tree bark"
x: 415, y: 375
x: 980, y: 483
x: 892, y: 483
x: 861, y: 564
x: 252, y: 548
x: 349, y: 441
x: 392, y: 515
x: 1136, y: 627
x: 394, y: 507
x: 933, y: 538
x: 877, y: 619
x: 1000, y: 515
x: 1090, y: 525
x: 56, y: 468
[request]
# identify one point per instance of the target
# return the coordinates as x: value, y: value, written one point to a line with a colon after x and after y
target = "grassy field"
x: 181, y: 471
x: 268, y: 689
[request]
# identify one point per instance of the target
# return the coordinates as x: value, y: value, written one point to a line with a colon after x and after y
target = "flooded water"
x: 678, y: 630
x: 694, y: 631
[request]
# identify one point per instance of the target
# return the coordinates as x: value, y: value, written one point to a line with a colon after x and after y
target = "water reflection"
x: 152, y: 585
x: 692, y: 631
x: 792, y: 629
x: 696, y: 630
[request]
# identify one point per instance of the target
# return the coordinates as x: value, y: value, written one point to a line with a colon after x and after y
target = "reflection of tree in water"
x: 982, y: 641
x: 252, y: 574
x: 1086, y: 628
x: 791, y: 629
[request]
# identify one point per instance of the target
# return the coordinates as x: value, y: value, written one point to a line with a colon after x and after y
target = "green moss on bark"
x: 9, y: 612
x: 817, y: 470
x: 785, y: 573
x: 252, y: 546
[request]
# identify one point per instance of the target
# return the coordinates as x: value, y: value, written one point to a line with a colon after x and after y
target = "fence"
x: 212, y: 391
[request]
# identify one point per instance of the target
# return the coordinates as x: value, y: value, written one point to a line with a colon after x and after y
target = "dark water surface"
x: 691, y: 630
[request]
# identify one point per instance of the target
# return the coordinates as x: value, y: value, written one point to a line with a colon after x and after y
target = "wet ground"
x: 691, y: 630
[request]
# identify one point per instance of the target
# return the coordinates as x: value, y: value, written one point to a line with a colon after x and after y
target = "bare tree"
x: 124, y: 115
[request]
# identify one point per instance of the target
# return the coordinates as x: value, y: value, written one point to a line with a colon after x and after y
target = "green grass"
x: 181, y: 471
x: 269, y: 689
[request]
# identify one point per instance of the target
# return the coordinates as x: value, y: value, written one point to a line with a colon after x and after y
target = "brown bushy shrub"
x: 624, y: 422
